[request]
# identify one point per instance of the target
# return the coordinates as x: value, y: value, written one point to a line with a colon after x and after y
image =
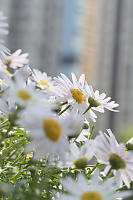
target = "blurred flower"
x: 22, y: 94
x: 15, y: 60
x: 24, y: 71
x: 96, y: 190
x: 42, y: 80
x: 79, y: 157
x: 47, y: 131
x: 114, y: 156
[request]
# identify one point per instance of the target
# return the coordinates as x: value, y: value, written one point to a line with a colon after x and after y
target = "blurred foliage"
x: 125, y: 133
x: 21, y: 177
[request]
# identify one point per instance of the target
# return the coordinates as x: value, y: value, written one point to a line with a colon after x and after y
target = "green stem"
x: 62, y: 104
x: 92, y: 129
x: 87, y: 110
x: 65, y: 109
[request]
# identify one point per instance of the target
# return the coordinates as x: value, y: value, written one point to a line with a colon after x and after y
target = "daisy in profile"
x: 72, y: 93
x: 115, y: 157
x: 79, y: 157
x: 42, y: 80
x: 47, y: 131
x: 97, y: 102
x: 3, y: 31
x: 15, y: 60
x: 95, y: 190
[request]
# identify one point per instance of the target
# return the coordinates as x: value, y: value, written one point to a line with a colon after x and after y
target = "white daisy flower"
x: 74, y: 94
x: 42, y: 80
x: 71, y: 92
x: 115, y: 157
x: 98, y: 101
x: 47, y: 131
x: 21, y: 93
x: 15, y: 60
x: 79, y: 157
x: 95, y: 190
x: 25, y: 71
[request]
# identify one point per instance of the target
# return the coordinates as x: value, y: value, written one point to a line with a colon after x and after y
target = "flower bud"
x: 116, y: 161
x: 129, y: 144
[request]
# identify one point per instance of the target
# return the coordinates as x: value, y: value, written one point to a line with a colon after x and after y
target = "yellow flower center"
x: 24, y: 95
x: 77, y: 95
x: 52, y: 129
x: 44, y: 83
x: 3, y: 80
x: 7, y: 72
x: 91, y: 195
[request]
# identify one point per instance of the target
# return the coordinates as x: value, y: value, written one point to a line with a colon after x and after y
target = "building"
x: 35, y: 27
x: 90, y: 36
x: 113, y: 69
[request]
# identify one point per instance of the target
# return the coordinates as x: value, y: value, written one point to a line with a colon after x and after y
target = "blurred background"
x: 94, y: 37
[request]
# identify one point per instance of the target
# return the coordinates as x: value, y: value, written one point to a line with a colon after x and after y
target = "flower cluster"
x: 57, y: 114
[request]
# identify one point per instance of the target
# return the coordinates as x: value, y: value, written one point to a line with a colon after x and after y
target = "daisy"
x: 95, y: 190
x: 74, y: 95
x: 71, y: 92
x: 15, y: 60
x: 79, y: 157
x: 24, y: 71
x: 98, y: 102
x: 114, y: 156
x: 47, y: 131
x: 21, y: 93
x: 41, y: 79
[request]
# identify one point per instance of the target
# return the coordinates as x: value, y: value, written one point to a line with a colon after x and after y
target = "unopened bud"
x: 129, y: 144
x: 116, y: 161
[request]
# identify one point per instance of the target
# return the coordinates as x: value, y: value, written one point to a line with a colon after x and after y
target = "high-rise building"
x: 90, y: 36
x: 113, y: 60
x: 35, y: 26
